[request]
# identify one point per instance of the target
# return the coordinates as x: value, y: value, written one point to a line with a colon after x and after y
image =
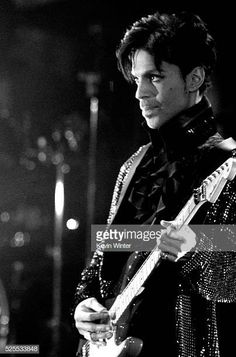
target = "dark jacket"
x: 176, y: 313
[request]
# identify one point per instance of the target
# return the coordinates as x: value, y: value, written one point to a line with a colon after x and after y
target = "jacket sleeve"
x: 89, y: 285
x: 211, y: 268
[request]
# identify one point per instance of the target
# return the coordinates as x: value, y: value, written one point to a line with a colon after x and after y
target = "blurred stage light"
x: 72, y: 224
x: 20, y: 239
x: 42, y: 156
x: 4, y: 217
x: 42, y: 142
x: 59, y: 197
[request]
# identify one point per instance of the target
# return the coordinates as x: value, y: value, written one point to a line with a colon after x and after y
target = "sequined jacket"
x: 176, y: 316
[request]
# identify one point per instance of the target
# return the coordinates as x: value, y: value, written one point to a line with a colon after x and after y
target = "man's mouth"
x: 148, y: 109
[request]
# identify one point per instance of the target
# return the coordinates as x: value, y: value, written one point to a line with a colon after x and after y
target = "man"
x: 170, y: 58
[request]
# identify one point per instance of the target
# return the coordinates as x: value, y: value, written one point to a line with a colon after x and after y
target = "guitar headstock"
x: 213, y: 185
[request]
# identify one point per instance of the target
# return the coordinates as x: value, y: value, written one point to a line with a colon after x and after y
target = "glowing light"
x: 5, y: 217
x: 20, y: 239
x: 4, y: 320
x: 59, y: 197
x: 94, y: 105
x: 72, y: 224
x: 42, y: 156
x: 42, y: 142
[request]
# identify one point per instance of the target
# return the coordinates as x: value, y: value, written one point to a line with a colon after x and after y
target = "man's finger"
x: 93, y: 304
x: 87, y: 326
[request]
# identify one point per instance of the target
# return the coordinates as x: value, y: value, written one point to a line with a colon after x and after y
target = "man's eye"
x: 156, y: 78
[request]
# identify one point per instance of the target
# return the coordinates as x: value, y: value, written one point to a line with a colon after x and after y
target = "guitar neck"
x: 188, y: 211
x: 135, y: 284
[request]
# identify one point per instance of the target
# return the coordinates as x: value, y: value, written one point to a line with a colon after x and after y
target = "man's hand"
x: 174, y: 242
x: 93, y: 321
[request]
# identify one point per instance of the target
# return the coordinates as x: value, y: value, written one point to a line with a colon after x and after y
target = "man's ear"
x: 195, y: 79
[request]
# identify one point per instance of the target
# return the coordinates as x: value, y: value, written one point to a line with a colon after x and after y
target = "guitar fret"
x: 186, y: 212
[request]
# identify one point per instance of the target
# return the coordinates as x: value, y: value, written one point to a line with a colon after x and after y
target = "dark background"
x: 47, y: 48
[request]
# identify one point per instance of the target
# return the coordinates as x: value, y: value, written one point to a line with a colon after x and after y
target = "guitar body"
x: 130, y: 347
x: 119, y: 345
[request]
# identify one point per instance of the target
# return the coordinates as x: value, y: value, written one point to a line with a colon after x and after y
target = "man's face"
x: 161, y: 93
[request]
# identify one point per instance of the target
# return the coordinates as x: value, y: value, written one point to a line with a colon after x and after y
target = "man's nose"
x: 143, y: 90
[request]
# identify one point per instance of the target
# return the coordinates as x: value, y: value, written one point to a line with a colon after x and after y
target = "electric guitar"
x: 209, y: 191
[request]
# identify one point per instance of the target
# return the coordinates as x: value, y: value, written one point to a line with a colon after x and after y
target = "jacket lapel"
x: 136, y: 161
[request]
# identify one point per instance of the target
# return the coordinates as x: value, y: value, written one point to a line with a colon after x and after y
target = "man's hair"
x: 181, y: 39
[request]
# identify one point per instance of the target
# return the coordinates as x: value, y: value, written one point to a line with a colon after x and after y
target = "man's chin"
x: 152, y: 123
